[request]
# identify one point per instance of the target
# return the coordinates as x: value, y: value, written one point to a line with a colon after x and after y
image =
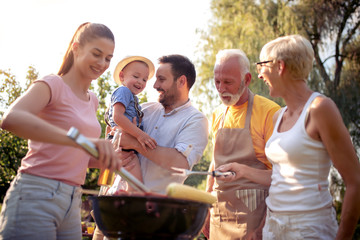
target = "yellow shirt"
x: 261, y: 124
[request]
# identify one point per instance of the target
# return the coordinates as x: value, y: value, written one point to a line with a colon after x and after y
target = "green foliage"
x: 31, y: 76
x: 12, y: 150
x: 347, y: 96
x: 142, y: 97
x: 10, y: 89
x: 243, y: 24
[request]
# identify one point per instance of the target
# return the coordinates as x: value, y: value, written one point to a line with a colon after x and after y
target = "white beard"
x: 234, y: 98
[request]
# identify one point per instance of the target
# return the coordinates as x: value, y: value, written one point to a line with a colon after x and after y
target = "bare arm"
x: 328, y: 123
x: 163, y: 156
x: 94, y: 163
x: 125, y: 124
x: 166, y: 157
x: 22, y: 120
x: 243, y: 171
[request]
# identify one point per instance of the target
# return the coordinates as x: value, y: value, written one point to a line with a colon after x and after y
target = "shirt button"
x: 156, y: 127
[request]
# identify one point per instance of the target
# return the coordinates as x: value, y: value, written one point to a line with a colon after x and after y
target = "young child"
x: 132, y: 73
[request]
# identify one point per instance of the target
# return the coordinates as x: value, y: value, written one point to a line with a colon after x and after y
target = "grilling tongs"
x: 88, y: 146
x: 186, y: 172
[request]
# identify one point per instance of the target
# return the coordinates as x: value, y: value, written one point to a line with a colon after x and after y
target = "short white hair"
x: 225, y: 54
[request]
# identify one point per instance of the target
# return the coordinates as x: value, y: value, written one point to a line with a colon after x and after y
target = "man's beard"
x: 167, y: 100
x: 169, y: 97
x: 234, y: 98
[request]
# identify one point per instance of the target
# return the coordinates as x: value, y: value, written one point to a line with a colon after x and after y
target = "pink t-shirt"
x: 65, y: 110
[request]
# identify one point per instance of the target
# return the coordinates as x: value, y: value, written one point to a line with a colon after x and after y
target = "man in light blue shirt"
x: 180, y: 130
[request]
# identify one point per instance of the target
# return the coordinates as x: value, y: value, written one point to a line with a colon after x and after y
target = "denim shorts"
x: 41, y: 208
x: 317, y: 224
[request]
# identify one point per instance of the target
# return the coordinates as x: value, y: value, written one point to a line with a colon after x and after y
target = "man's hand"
x: 127, y: 159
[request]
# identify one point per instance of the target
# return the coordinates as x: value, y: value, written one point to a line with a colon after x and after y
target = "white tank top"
x: 301, y: 168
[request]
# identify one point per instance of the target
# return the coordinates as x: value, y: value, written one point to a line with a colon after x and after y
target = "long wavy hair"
x: 85, y: 33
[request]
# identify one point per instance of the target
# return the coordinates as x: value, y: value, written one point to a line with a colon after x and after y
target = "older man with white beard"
x: 240, y: 128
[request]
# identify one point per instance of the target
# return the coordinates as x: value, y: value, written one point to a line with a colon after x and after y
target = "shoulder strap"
x: 139, y: 113
x: 308, y: 104
x: 249, y: 110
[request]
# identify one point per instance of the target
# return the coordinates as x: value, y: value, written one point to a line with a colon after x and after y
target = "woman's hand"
x: 108, y: 158
x: 239, y: 170
x: 261, y: 176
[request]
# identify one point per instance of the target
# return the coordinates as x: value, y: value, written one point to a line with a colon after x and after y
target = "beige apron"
x: 241, y: 204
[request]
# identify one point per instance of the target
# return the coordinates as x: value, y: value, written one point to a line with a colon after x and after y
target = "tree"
x: 10, y: 89
x: 243, y: 24
x: 335, y: 25
x: 348, y: 95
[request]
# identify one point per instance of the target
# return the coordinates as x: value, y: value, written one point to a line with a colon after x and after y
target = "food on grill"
x: 185, y: 192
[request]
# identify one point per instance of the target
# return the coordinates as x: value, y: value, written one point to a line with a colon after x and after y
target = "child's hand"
x: 145, y: 140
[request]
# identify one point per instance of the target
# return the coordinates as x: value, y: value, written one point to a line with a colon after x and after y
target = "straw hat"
x: 125, y: 61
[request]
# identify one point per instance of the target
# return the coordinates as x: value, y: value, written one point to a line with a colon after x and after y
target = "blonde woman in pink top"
x: 43, y: 201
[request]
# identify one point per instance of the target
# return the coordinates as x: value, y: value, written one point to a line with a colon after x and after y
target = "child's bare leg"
x: 133, y: 167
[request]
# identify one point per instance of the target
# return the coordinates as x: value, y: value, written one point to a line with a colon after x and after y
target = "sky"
x: 37, y: 32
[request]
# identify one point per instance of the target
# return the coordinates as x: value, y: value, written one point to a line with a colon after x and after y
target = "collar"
x: 178, y: 109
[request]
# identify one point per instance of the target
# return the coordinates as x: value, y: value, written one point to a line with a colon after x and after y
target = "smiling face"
x: 229, y: 81
x: 135, y: 76
x: 267, y: 73
x: 93, y: 58
x: 166, y: 85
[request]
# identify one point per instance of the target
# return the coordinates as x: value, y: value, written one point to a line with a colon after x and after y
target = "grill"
x: 148, y: 217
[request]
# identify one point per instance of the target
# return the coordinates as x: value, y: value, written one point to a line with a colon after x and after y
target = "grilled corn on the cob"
x: 185, y: 192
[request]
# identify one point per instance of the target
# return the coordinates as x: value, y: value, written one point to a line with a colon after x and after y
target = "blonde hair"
x: 295, y: 50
